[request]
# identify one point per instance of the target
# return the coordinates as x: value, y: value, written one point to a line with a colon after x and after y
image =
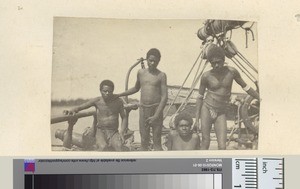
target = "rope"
x: 185, y: 102
x: 199, y: 65
x: 245, y: 69
x: 253, y: 80
x: 247, y: 29
x: 246, y: 61
x: 172, y: 103
x: 191, y: 91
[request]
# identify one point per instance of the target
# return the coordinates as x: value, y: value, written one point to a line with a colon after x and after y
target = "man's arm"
x: 124, y: 123
x: 199, y: 100
x: 132, y: 90
x: 83, y: 106
x: 242, y: 83
x: 164, y: 95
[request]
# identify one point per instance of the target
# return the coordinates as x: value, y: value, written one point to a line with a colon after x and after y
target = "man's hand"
x: 151, y: 120
x: 72, y: 120
x: 141, y: 59
x: 131, y: 106
x: 122, y: 137
x: 69, y: 112
x: 255, y: 103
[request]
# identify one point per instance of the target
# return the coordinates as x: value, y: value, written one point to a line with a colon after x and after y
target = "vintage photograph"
x: 154, y: 85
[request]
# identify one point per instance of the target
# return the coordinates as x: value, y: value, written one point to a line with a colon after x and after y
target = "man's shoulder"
x: 142, y: 70
x: 195, y: 136
x: 118, y: 101
x: 145, y: 70
x: 114, y: 103
x: 206, y: 74
x: 233, y: 70
x: 96, y: 99
x: 161, y: 74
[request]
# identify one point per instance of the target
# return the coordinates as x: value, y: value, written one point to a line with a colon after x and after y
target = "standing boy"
x: 108, y: 109
x: 153, y: 85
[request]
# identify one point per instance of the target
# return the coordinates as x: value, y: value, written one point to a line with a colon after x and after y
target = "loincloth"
x: 147, y: 111
x: 215, y: 111
x: 108, y: 134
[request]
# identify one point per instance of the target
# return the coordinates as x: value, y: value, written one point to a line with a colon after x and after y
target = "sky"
x: 89, y: 50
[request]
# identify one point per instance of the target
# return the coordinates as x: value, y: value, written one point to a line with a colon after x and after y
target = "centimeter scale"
x: 265, y: 173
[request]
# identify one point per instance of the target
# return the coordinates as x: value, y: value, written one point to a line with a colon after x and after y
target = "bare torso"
x: 150, y: 86
x: 219, y: 85
x: 191, y: 142
x: 108, y: 113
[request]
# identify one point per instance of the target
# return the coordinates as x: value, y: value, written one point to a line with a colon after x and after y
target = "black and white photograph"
x: 133, y: 80
x: 154, y: 85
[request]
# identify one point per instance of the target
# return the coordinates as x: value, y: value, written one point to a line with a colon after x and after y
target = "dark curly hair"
x: 183, y: 116
x: 107, y: 83
x: 215, y: 52
x: 155, y: 52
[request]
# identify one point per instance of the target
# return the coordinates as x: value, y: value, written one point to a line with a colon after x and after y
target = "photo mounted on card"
x: 154, y: 85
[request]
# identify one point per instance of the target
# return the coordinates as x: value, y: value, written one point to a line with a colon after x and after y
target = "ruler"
x: 258, y: 173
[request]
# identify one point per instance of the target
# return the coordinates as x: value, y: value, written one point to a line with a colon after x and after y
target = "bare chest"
x: 148, y: 79
x: 220, y: 80
x: 107, y: 109
x: 180, y: 144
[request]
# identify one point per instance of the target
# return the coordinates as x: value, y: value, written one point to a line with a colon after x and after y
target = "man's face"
x: 184, y: 128
x: 152, y: 62
x: 106, y: 92
x: 217, y: 64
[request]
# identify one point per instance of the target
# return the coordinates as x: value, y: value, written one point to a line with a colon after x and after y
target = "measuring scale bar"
x: 258, y: 173
x: 200, y: 173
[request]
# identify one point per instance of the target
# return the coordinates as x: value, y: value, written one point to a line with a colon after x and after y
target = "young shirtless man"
x: 108, y: 109
x: 218, y: 82
x: 183, y: 138
x: 153, y: 85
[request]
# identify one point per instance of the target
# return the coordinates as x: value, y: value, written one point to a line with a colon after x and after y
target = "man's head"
x: 106, y: 89
x: 183, y: 123
x: 216, y: 57
x: 153, y: 58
